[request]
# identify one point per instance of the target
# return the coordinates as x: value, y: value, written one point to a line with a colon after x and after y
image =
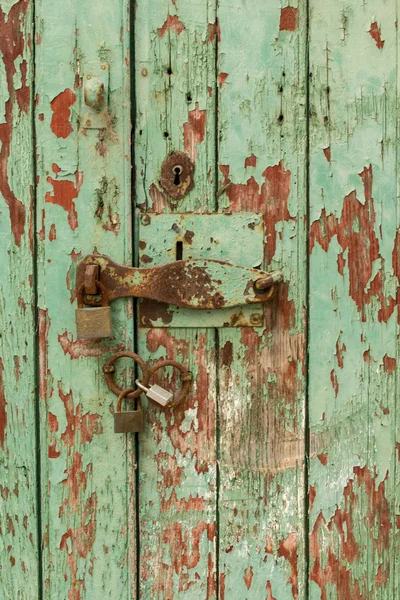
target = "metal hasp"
x: 195, y: 283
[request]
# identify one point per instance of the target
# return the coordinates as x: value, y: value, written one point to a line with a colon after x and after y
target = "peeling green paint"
x: 214, y: 494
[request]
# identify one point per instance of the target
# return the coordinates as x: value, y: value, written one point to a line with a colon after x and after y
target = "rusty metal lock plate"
x: 93, y: 323
x: 237, y: 238
x: 177, y: 175
x: 131, y: 421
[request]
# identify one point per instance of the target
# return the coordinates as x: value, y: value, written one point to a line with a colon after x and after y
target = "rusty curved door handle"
x: 195, y: 283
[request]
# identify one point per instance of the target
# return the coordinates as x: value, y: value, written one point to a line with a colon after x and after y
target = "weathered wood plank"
x: 354, y: 270
x: 175, y: 101
x: 262, y: 166
x: 18, y: 476
x: 83, y: 205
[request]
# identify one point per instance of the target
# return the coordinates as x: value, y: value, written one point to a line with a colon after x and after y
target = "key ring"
x: 185, y: 376
x: 109, y: 369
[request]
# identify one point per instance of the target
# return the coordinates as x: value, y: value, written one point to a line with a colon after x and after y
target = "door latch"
x: 197, y: 284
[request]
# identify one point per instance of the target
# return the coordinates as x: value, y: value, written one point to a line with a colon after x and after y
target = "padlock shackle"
x: 104, y: 294
x: 109, y: 369
x: 123, y: 395
x: 185, y: 376
x: 141, y: 386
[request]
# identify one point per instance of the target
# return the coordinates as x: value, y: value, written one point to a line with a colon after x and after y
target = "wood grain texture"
x: 262, y: 165
x: 83, y: 206
x: 18, y: 476
x: 175, y: 102
x: 354, y: 270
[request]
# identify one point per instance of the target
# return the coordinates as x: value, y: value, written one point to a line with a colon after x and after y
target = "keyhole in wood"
x: 177, y: 174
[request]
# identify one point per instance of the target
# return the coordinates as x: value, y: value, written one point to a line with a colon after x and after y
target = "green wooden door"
x: 277, y: 478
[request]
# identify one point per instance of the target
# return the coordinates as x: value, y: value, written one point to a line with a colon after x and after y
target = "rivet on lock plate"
x: 156, y: 392
x: 130, y: 421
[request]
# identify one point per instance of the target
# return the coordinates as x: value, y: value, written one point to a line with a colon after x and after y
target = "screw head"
x: 255, y: 319
x: 145, y: 72
x: 146, y: 220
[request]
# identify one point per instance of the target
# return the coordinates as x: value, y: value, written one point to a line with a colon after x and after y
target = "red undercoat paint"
x: 288, y: 549
x: 64, y: 194
x: 355, y: 231
x: 194, y: 130
x: 327, y: 152
x: 222, y: 77
x: 248, y: 577
x: 171, y: 24
x: 214, y: 29
x: 61, y: 107
x: 85, y: 425
x: 289, y: 19
x: 330, y: 564
x: 3, y: 409
x: 375, y: 33
x: 250, y: 161
x: 12, y: 50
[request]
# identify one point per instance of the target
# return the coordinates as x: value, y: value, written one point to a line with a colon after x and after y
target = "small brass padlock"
x: 93, y: 322
x: 131, y: 421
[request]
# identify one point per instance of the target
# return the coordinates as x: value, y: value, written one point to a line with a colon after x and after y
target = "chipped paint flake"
x: 61, y: 107
x: 172, y: 23
x: 289, y: 19
x: 64, y: 194
x: 194, y: 130
x: 375, y: 33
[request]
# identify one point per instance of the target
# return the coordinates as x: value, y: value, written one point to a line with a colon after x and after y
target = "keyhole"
x: 179, y: 250
x: 177, y: 174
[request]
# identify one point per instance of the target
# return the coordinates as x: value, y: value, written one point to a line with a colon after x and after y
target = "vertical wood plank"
x: 18, y: 491
x: 175, y: 104
x: 354, y: 271
x: 262, y: 167
x: 83, y: 206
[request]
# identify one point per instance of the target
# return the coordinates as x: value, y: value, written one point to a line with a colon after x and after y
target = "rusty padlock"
x: 131, y: 421
x: 93, y: 322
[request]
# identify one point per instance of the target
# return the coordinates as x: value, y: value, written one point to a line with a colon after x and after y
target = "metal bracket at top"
x: 95, y: 95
